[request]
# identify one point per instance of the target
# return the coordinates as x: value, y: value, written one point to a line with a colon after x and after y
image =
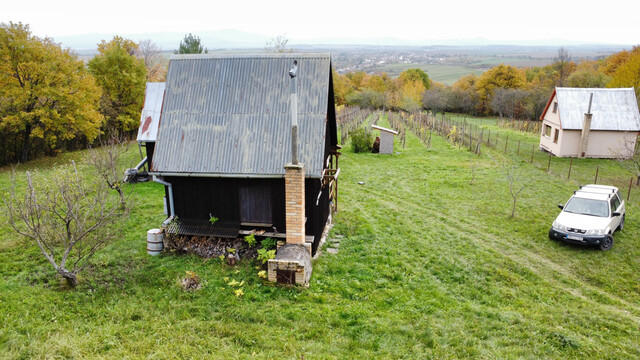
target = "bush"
x: 361, y: 141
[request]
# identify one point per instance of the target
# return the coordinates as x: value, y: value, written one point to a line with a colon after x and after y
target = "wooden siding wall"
x: 196, y: 198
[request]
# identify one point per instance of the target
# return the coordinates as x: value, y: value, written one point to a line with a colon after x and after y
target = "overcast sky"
x: 611, y: 21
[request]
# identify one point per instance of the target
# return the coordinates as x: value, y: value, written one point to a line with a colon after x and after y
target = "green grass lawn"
x: 430, y: 266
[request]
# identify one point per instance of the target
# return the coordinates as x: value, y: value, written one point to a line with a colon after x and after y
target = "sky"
x: 609, y: 22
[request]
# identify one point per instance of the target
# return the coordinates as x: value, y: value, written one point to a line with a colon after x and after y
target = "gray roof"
x: 229, y: 115
x: 612, y: 109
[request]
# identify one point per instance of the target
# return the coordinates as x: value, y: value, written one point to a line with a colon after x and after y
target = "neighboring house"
x: 615, y: 122
x: 225, y: 136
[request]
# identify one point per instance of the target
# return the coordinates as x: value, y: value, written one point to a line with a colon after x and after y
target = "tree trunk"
x: 513, y: 209
x: 71, y: 278
x: 26, y: 144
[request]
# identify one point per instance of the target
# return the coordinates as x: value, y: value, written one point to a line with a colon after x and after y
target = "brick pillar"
x: 294, y: 199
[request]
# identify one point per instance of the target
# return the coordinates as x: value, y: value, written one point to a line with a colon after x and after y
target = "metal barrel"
x: 155, y: 242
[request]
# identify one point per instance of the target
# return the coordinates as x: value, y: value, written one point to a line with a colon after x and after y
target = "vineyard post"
x: 533, y: 149
x: 506, y: 142
x: 549, y: 163
x: 570, y: 164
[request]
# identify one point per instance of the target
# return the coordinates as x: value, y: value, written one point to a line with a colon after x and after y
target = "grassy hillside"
x: 430, y: 266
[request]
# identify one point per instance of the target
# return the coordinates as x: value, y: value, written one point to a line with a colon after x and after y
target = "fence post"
x: 570, y: 164
x: 629, y: 192
x: 533, y: 149
x: 596, y: 179
x: 505, y: 143
x: 549, y: 163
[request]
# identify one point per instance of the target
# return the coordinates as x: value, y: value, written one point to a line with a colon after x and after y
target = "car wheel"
x: 607, y: 243
x: 551, y: 237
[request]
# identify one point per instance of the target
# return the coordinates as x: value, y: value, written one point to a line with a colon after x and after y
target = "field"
x: 430, y: 265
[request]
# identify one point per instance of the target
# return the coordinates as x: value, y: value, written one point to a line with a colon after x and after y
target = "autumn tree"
x: 191, y: 45
x: 627, y: 74
x: 341, y: 87
x: 415, y: 75
x: 501, y: 76
x: 46, y: 93
x: 122, y: 77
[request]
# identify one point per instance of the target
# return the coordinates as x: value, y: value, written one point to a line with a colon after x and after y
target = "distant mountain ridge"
x: 236, y: 39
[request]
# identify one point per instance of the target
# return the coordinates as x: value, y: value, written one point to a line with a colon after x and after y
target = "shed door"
x: 255, y: 205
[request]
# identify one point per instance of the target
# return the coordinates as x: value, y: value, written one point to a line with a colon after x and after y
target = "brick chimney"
x: 294, y: 203
x: 292, y: 264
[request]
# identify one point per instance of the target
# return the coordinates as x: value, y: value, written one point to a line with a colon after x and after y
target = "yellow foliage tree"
x: 627, y: 74
x: 122, y: 76
x: 45, y: 92
x: 501, y: 76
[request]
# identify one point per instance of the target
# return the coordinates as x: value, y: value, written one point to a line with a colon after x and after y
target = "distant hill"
x: 235, y: 39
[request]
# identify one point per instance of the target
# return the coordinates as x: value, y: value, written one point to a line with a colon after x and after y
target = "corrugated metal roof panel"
x: 230, y: 114
x: 612, y: 109
x: 150, y: 118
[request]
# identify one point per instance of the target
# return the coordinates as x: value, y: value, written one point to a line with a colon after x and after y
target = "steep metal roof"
x: 150, y: 117
x: 612, y: 109
x: 229, y: 114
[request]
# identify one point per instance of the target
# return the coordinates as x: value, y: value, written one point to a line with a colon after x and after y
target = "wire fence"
x: 515, y: 139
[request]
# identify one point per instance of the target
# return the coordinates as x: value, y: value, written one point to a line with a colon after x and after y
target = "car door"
x: 616, y: 206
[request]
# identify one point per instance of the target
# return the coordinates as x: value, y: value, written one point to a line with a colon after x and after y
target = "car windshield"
x: 587, y: 207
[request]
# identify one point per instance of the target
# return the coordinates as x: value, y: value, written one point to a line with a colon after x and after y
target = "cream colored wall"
x: 552, y: 119
x: 602, y: 144
x: 569, y: 143
x: 547, y: 143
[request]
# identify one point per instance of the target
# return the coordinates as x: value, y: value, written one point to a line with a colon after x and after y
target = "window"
x: 555, y: 136
x: 615, y: 203
x: 255, y: 205
x: 555, y: 106
x: 547, y: 131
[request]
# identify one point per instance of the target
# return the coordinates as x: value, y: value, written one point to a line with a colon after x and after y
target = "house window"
x: 555, y: 136
x: 555, y: 106
x: 255, y: 205
x: 547, y: 131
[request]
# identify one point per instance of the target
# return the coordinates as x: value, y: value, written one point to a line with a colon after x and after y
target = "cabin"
x: 224, y: 138
x: 590, y: 122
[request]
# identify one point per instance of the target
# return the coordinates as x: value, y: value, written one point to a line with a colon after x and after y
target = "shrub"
x: 269, y: 243
x: 361, y: 141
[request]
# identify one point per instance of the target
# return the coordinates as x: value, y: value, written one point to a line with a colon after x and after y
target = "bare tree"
x: 69, y: 216
x: 516, y: 182
x: 436, y: 99
x: 507, y: 101
x: 155, y: 63
x: 105, y: 161
x: 561, y: 63
x: 277, y: 44
x: 628, y: 157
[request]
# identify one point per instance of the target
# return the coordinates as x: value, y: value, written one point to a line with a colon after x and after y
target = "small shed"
x: 386, y: 139
x: 224, y: 138
x: 611, y: 132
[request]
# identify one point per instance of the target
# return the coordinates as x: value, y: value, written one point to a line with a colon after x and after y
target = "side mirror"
x: 615, y: 213
x: 561, y: 206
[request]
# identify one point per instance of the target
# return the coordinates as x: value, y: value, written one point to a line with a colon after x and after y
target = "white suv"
x: 590, y: 217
